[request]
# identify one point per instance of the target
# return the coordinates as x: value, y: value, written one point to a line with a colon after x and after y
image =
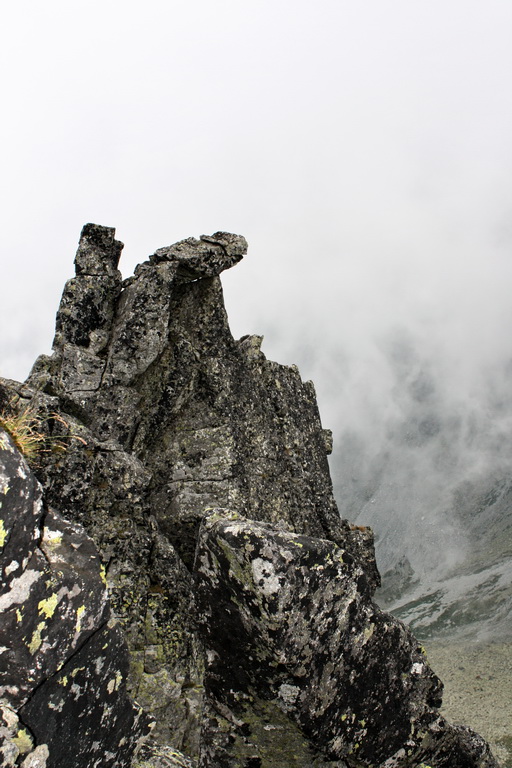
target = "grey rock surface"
x: 164, y: 416
x: 206, y: 257
x: 178, y: 417
x: 296, y: 645
x: 63, y: 662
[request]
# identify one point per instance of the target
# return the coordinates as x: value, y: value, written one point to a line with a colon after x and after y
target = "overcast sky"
x: 363, y: 147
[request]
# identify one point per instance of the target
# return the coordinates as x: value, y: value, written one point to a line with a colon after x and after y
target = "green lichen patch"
x: 3, y: 534
x: 23, y: 740
x: 47, y: 607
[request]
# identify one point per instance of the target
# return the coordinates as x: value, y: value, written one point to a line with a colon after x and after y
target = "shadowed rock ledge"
x: 269, y: 652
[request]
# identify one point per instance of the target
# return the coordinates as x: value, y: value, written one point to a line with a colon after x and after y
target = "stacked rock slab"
x: 63, y: 662
x: 179, y: 418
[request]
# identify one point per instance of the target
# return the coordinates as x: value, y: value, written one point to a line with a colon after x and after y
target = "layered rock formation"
x: 269, y: 651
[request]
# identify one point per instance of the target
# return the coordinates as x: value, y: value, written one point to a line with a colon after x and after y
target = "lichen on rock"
x: 289, y: 621
x: 63, y: 662
x: 269, y: 651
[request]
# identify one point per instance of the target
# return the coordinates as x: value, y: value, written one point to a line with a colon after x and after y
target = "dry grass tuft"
x: 26, y: 428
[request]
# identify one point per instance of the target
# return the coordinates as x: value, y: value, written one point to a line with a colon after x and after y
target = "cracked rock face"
x: 165, y: 416
x: 63, y: 663
x: 178, y: 417
x: 295, y: 645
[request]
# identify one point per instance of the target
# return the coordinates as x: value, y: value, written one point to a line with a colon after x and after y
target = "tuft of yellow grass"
x: 26, y: 430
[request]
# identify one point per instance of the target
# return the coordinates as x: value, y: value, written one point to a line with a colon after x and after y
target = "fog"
x: 364, y: 151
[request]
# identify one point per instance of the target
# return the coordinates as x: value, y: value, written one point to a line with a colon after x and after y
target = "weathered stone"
x: 21, y: 511
x: 10, y: 736
x: 180, y: 417
x: 38, y: 758
x: 207, y: 257
x: 63, y: 663
x: 98, y: 252
x: 86, y: 309
x: 294, y: 641
x: 17, y: 744
x: 82, y: 713
x: 175, y: 417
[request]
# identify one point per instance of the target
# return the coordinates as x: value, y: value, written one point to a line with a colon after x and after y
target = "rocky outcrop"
x: 177, y: 418
x: 302, y: 666
x: 63, y: 662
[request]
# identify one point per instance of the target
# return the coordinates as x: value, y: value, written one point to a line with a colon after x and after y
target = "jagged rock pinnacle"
x: 177, y: 418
